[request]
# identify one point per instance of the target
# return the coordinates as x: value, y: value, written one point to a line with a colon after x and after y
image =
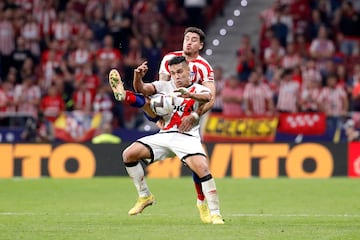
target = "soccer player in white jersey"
x: 170, y: 141
x: 201, y: 73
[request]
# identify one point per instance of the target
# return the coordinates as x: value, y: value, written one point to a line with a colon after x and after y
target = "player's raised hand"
x: 142, y: 69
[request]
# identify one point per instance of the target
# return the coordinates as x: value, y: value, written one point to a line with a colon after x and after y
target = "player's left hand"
x: 187, y: 122
x: 184, y: 92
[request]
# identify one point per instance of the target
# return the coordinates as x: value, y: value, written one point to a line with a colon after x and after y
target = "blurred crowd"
x: 55, y: 55
x: 307, y: 60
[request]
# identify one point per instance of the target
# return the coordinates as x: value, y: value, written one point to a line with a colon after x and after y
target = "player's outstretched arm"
x: 202, y: 97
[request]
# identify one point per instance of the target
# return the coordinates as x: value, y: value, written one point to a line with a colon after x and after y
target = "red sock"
x: 200, y: 194
x: 130, y: 97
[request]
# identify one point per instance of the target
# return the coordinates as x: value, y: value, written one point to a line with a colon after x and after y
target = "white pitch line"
x: 269, y: 215
x: 293, y: 215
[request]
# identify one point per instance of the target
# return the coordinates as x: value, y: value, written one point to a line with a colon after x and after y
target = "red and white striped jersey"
x: 332, y: 99
x: 80, y: 57
x: 7, y: 36
x: 61, y: 30
x: 27, y: 99
x: 102, y: 102
x: 45, y: 17
x: 200, y: 68
x: 288, y: 96
x: 7, y: 104
x: 82, y: 100
x: 309, y: 99
x: 291, y: 61
x: 257, y: 96
x: 309, y: 75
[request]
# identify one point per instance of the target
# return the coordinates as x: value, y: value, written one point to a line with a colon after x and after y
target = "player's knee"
x: 129, y: 156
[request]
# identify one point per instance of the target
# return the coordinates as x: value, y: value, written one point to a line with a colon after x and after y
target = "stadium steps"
x: 248, y: 22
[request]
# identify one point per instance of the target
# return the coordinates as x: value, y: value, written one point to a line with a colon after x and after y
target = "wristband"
x: 195, y: 115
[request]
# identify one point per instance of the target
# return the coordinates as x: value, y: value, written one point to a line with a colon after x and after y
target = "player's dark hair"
x: 197, y: 31
x: 176, y: 60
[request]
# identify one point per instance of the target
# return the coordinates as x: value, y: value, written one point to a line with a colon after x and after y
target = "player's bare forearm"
x: 207, y: 106
x: 202, y: 97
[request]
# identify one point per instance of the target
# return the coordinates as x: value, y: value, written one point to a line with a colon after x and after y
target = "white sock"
x: 198, y: 201
x: 138, y: 177
x: 211, y: 196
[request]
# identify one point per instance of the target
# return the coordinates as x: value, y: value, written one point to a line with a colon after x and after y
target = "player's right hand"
x: 142, y: 69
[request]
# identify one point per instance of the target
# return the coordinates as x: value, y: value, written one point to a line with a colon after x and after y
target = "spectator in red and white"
x: 45, y: 15
x: 232, y: 97
x: 273, y: 57
x: 7, y: 36
x: 108, y: 57
x: 258, y: 97
x: 310, y: 73
x: 7, y: 103
x: 348, y: 21
x: 219, y: 85
x: 88, y: 78
x: 289, y: 93
x: 61, y: 29
x: 31, y: 33
x: 103, y: 103
x: 52, y: 104
x: 332, y: 99
x: 27, y: 97
x: 82, y: 98
x: 291, y: 58
x: 310, y: 92
x: 80, y: 56
x: 322, y: 48
x: 48, y: 69
x: 246, y: 58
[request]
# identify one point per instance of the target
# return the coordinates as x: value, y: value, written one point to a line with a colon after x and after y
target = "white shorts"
x: 171, y: 144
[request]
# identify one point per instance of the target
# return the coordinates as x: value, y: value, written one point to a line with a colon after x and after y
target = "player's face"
x: 192, y: 44
x: 180, y: 73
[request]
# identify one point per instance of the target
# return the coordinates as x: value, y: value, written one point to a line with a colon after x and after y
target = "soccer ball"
x: 162, y: 104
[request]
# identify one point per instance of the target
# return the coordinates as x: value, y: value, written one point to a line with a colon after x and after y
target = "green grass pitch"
x: 252, y: 208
